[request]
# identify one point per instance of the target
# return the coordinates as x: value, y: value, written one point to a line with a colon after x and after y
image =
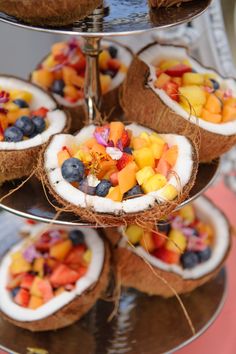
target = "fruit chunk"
x: 144, y: 174
x: 147, y: 241
x: 38, y: 266
x: 134, y: 233
x: 162, y: 80
x: 126, y: 177
x: 27, y: 281
x: 35, y: 302
x: 157, y: 150
x: 193, y: 95
x: 115, y: 194
x: 213, y: 104
x: 43, y: 78
x: 62, y: 156
x: 177, y: 241
x: 193, y: 79
x: 60, y: 250
x: 35, y: 290
x: 169, y: 63
x: 159, y: 239
x: 167, y: 256
x: 19, y: 264
x: 195, y: 110
x: 154, y: 183
x: 138, y: 143
x: 75, y: 256
x: 105, y: 83
x: 172, y: 90
x: 187, y: 213
x: 163, y: 167
x: 63, y: 275
x: 178, y: 70
x: 116, y: 131
x: 169, y: 192
x: 45, y: 288
x: 211, y: 117
x: 171, y: 155
x: 228, y: 114
x: 22, y: 298
x: 124, y: 161
x: 144, y: 157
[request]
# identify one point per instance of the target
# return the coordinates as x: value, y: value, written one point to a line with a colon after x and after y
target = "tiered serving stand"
x: 125, y: 333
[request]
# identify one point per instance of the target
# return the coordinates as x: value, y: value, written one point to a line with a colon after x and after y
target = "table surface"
x: 220, y: 337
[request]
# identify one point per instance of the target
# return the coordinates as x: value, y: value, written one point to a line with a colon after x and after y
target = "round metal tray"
x: 30, y: 201
x: 124, y: 17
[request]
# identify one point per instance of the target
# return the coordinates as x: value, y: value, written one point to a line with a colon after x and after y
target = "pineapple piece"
x: 144, y: 174
x: 193, y: 79
x: 193, y: 95
x: 154, y: 183
x: 144, y: 157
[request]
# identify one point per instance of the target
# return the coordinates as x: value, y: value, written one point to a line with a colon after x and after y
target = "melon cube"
x: 147, y: 241
x: 169, y: 192
x: 211, y: 117
x: 134, y: 233
x: 144, y: 157
x: 104, y: 57
x: 127, y: 177
x: 35, y: 302
x: 138, y: 143
x: 171, y: 155
x: 213, y: 104
x: 193, y: 79
x: 154, y: 183
x: 162, y: 80
x: 60, y: 250
x: 115, y: 194
x: 192, y: 94
x: 35, y: 290
x: 144, y: 174
x: 43, y: 78
x: 116, y: 131
x: 106, y: 81
x: 177, y: 242
x: 38, y: 266
x: 229, y: 113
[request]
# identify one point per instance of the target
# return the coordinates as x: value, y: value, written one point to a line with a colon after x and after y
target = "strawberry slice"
x: 125, y: 139
x: 63, y: 275
x: 159, y: 239
x: 27, y: 281
x: 172, y: 90
x: 163, y: 167
x: 114, y: 179
x: 75, y: 256
x: 114, y: 64
x: 46, y: 289
x: 124, y: 161
x: 22, y: 298
x: 167, y: 256
x: 178, y: 70
x: 41, y: 112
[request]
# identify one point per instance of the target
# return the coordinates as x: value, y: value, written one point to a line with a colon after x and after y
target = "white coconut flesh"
x: 152, y: 57
x: 209, y: 214
x: 56, y: 118
x: 18, y: 313
x: 124, y: 55
x: 183, y: 168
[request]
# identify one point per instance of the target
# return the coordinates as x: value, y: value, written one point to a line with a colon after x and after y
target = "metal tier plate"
x: 30, y: 201
x: 124, y: 17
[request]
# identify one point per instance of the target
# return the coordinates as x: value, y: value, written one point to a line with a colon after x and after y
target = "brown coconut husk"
x: 136, y: 273
x: 166, y: 3
x: 73, y: 311
x: 49, y: 12
x: 144, y: 218
x: 15, y: 164
x: 140, y: 103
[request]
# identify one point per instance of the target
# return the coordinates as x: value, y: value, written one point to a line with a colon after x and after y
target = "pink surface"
x: 220, y: 338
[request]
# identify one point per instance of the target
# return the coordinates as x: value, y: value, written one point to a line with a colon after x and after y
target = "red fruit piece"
x: 125, y: 139
x: 166, y: 255
x: 41, y: 112
x: 75, y: 256
x: 15, y: 282
x: 159, y: 239
x: 45, y: 288
x: 178, y: 70
x: 124, y: 161
x: 172, y: 90
x: 114, y: 179
x: 22, y: 298
x: 27, y: 281
x: 31, y: 222
x: 114, y: 64
x: 78, y: 62
x: 163, y: 167
x: 63, y: 275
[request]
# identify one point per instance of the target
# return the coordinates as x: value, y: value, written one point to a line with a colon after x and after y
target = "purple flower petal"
x: 30, y: 254
x: 119, y: 145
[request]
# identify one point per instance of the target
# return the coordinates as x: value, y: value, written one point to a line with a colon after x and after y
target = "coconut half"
x: 49, y: 12
x: 19, y: 159
x: 110, y: 100
x: 134, y: 272
x: 152, y: 106
x: 104, y: 211
x: 68, y: 307
x: 165, y: 3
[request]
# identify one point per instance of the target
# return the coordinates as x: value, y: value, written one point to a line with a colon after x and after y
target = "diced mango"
x: 162, y: 80
x: 115, y: 194
x: 49, y: 62
x: 211, y: 117
x: 35, y: 291
x: 106, y: 166
x: 14, y: 115
x: 43, y: 78
x: 58, y: 48
x: 144, y: 174
x: 193, y: 79
x: 11, y: 107
x: 138, y: 143
x: 147, y: 241
x: 3, y: 121
x: 87, y: 256
x: 229, y: 113
x: 193, y: 110
x: 127, y: 178
x: 134, y: 233
x: 210, y: 76
x: 213, y: 104
x: 171, y: 155
x: 21, y: 94
x: 157, y: 150
x: 230, y: 102
x: 19, y: 264
x: 145, y: 136
x: 187, y: 213
x: 193, y: 95
x: 38, y: 266
x: 116, y: 131
x: 60, y: 250
x: 106, y: 81
x: 35, y: 302
x: 70, y: 91
x: 154, y: 183
x: 144, y: 157
x: 104, y: 57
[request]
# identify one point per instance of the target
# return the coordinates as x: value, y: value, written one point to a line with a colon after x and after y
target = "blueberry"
x: 58, y: 87
x: 15, y: 291
x: 39, y: 124
x: 136, y: 191
x: 103, y: 187
x: 215, y: 84
x: 195, y: 233
x: 13, y: 134
x: 128, y: 150
x: 189, y: 260
x: 26, y: 125
x: 113, y: 51
x: 73, y: 170
x: 164, y: 226
x: 21, y: 103
x: 77, y: 237
x: 84, y: 187
x: 204, y: 255
x: 111, y: 73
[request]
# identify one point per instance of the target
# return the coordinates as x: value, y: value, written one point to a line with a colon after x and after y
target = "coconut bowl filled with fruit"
x: 52, y: 278
x: 62, y: 73
x: 114, y: 173
x: 169, y: 90
x: 185, y: 250
x: 29, y: 117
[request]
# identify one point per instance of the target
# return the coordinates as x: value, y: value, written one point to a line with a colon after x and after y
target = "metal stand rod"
x: 92, y: 87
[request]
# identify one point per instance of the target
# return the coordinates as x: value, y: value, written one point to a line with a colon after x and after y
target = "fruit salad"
x: 201, y: 94
x: 63, y: 71
x: 17, y: 120
x: 182, y: 239
x: 114, y: 163
x: 47, y: 266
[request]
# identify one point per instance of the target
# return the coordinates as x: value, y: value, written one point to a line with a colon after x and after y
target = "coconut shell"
x: 73, y: 311
x: 49, y: 12
x: 16, y: 164
x: 141, y: 104
x: 104, y: 219
x: 133, y: 272
x: 165, y: 3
